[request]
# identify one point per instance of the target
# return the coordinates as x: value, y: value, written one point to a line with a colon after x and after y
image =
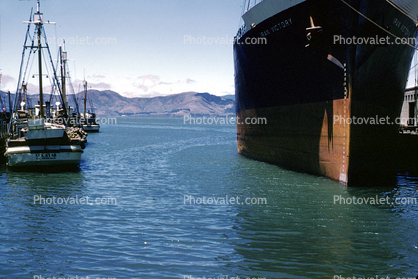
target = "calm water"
x: 161, y: 173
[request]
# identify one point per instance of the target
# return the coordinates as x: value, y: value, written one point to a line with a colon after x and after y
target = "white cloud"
x: 146, y: 82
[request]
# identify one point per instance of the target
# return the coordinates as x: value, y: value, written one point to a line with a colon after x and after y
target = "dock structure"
x: 4, y: 124
x: 409, y: 114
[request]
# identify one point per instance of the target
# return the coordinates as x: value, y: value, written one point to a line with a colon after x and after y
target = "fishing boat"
x: 328, y: 79
x: 33, y: 139
x: 90, y: 123
x: 40, y: 144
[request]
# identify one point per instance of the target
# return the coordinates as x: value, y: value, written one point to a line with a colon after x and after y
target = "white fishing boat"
x: 32, y: 140
x: 90, y: 123
x: 42, y: 144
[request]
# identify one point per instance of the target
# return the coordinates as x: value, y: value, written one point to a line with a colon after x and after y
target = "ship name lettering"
x: 279, y: 26
x: 265, y: 33
x: 401, y: 26
x: 46, y: 156
x: 405, y: 30
x: 397, y: 22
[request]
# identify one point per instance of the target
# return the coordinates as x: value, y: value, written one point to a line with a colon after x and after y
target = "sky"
x: 138, y: 48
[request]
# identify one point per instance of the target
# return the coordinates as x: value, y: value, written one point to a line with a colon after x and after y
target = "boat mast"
x: 85, y: 97
x: 38, y: 23
x: 63, y: 58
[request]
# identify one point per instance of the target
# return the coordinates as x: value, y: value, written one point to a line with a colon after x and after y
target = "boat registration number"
x: 46, y: 156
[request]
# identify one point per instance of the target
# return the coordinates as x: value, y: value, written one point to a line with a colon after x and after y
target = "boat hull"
x: 289, y: 141
x: 91, y: 128
x: 33, y: 156
x: 310, y: 91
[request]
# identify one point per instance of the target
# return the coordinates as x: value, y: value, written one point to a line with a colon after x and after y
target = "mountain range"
x: 110, y: 103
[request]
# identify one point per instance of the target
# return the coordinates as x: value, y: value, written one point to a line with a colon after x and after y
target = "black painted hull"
x: 310, y: 95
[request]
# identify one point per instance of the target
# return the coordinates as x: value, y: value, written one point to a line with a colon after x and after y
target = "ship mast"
x: 38, y: 22
x: 85, y: 97
x: 63, y: 60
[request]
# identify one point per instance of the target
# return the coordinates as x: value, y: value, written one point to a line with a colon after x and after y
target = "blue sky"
x: 138, y: 48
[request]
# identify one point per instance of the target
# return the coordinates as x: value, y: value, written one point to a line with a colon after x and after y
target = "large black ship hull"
x: 331, y: 108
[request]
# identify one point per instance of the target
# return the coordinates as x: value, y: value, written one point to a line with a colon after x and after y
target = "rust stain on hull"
x: 302, y: 137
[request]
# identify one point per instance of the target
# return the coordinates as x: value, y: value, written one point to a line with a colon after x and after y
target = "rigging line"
x: 20, y: 70
x: 402, y: 11
x: 31, y: 60
x: 69, y: 79
x: 56, y: 34
x: 54, y: 86
x: 24, y: 49
x: 55, y: 76
x: 380, y: 27
x: 47, y: 69
x: 242, y: 12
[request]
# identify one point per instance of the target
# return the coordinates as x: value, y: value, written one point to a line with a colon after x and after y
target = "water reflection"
x: 40, y: 225
x: 303, y: 233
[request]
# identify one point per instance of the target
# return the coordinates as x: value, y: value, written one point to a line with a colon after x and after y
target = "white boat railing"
x: 249, y: 4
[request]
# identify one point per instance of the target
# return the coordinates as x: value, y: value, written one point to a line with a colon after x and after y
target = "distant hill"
x: 232, y: 97
x: 110, y: 103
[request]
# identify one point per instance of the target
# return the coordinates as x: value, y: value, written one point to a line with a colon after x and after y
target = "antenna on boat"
x: 63, y: 61
x: 38, y: 21
x: 85, y: 94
